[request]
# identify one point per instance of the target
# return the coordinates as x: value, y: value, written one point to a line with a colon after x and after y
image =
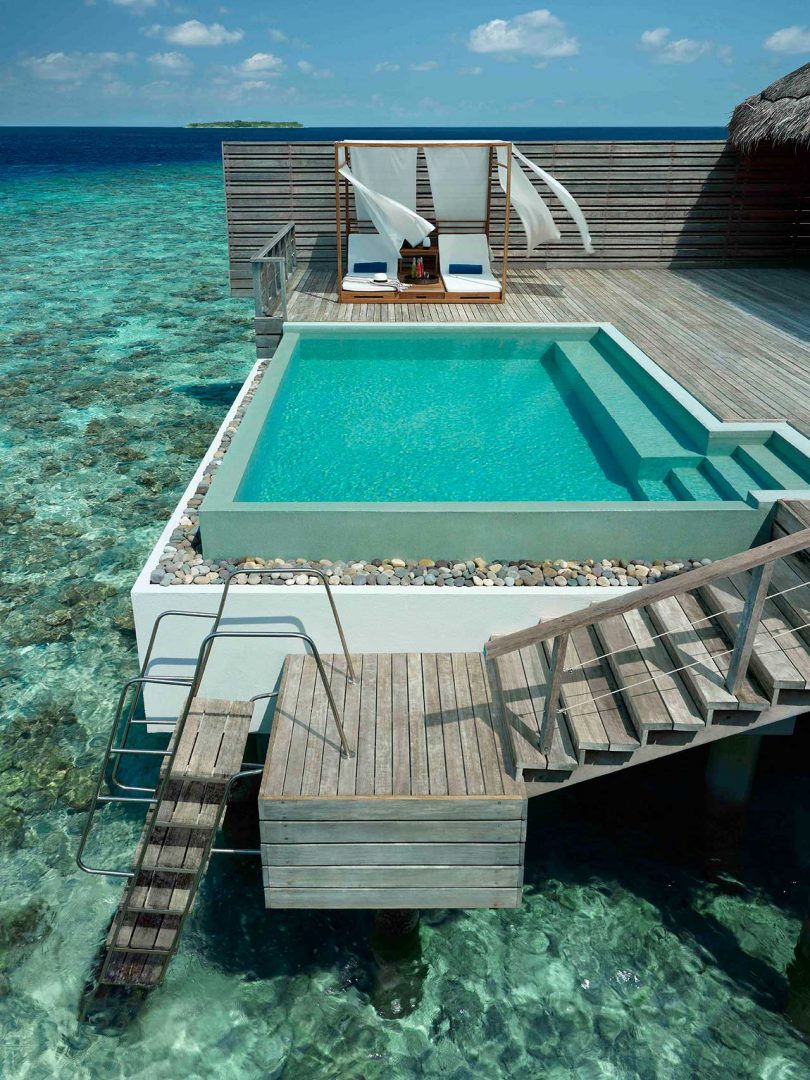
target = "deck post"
x: 797, y: 1006
x: 730, y: 772
x: 748, y: 626
x: 557, y: 669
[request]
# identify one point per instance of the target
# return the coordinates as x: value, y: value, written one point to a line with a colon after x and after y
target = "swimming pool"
x: 488, y: 439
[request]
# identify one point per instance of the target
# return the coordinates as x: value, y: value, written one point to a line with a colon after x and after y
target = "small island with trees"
x: 247, y: 124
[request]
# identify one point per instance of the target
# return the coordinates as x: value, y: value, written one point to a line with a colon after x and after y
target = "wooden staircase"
x: 173, y: 852
x: 720, y: 650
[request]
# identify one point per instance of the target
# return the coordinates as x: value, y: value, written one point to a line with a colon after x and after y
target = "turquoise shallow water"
x: 119, y: 351
x: 428, y: 417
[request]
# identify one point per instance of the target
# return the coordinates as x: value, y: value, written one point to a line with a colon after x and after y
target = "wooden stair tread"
x: 146, y: 931
x: 596, y: 716
x: 213, y: 739
x: 135, y: 969
x: 777, y: 663
x: 662, y: 703
x: 522, y: 677
x: 794, y: 574
x: 750, y: 696
x: 683, y: 643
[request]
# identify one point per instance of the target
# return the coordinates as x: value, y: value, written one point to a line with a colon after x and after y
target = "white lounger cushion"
x: 471, y: 248
x: 368, y: 248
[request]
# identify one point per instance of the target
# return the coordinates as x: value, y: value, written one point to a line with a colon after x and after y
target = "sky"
x: 422, y: 62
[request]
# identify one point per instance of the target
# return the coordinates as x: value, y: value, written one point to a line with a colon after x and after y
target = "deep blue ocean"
x: 80, y: 148
x: 120, y: 350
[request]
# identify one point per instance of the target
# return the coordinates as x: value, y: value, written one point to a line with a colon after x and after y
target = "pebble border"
x: 182, y: 563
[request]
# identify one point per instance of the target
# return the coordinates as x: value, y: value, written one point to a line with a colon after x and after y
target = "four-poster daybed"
x: 395, y: 255
x: 383, y: 178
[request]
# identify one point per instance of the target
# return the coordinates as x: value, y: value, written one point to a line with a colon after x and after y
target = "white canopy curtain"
x: 535, y: 216
x: 389, y: 170
x: 392, y: 220
x: 563, y: 194
x: 459, y: 181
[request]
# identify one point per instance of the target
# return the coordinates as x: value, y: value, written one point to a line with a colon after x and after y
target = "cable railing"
x: 759, y: 561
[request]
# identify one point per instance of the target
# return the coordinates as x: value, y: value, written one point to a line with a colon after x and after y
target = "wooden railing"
x: 272, y: 266
x: 760, y: 560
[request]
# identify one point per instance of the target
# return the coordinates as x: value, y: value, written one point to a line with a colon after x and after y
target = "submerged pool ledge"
x: 232, y: 527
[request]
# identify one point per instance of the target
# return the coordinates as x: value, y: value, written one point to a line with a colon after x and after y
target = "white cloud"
x: 426, y: 65
x: 306, y: 68
x: 385, y: 67
x: 471, y: 71
x: 75, y: 66
x: 193, y: 33
x: 171, y: 63
x: 791, y: 39
x: 263, y: 65
x: 278, y: 35
x: 667, y: 50
x: 135, y: 6
x: 535, y: 33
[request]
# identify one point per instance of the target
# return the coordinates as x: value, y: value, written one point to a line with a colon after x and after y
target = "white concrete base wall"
x: 376, y: 618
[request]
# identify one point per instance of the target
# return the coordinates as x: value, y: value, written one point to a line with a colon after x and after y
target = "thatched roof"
x: 779, y: 115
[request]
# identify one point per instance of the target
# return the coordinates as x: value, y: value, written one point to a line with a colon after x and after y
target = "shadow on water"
x: 220, y: 395
x: 381, y: 960
x: 645, y: 832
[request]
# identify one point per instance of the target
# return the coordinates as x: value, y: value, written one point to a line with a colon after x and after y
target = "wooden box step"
x: 595, y: 714
x: 434, y: 852
x: 212, y: 742
x: 656, y: 700
x: 159, y: 892
x: 780, y: 659
x: 135, y: 969
x: 521, y: 678
x: 146, y: 932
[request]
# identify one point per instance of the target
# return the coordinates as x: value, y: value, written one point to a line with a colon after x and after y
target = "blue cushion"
x: 466, y: 268
x: 375, y: 268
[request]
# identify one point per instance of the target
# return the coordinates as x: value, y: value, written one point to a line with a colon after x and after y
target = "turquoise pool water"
x: 429, y: 418
x: 119, y: 352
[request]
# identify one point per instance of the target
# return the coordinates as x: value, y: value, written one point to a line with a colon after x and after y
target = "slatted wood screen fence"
x: 659, y: 202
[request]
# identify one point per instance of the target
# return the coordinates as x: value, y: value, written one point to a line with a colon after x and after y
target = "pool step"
x: 769, y: 468
x: 693, y: 485
x: 643, y: 444
x: 730, y: 478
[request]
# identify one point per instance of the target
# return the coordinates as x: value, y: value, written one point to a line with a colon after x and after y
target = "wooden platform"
x: 738, y: 339
x: 426, y: 814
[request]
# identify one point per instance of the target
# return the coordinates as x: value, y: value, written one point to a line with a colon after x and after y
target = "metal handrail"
x: 217, y: 617
x: 97, y: 797
x: 203, y: 656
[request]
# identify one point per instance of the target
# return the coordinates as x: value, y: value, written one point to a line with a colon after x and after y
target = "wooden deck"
x: 738, y: 339
x: 426, y: 814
